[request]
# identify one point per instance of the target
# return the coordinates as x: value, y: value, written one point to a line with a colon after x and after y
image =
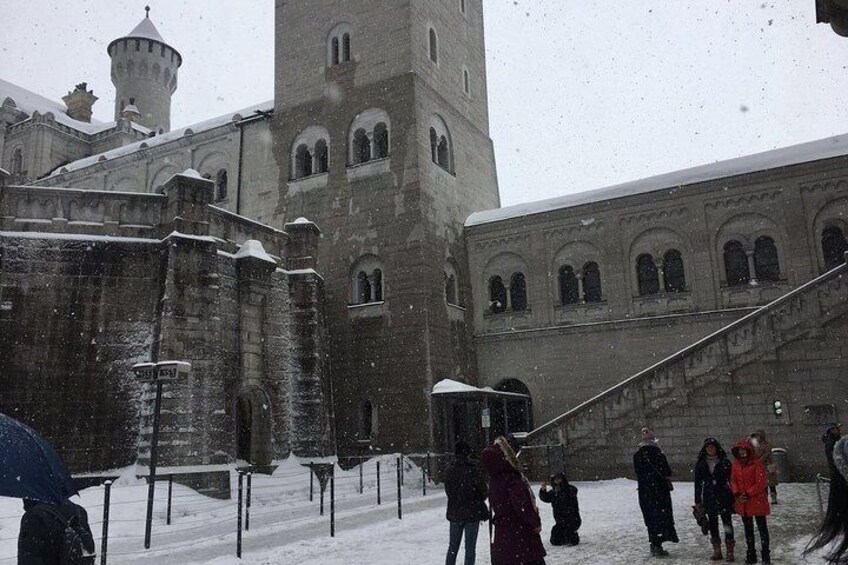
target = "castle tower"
x: 144, y: 68
x: 382, y: 138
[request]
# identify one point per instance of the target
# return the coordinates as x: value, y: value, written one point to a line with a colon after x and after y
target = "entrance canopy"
x: 456, y: 389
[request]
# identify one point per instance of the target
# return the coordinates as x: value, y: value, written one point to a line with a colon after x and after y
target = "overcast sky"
x: 583, y: 93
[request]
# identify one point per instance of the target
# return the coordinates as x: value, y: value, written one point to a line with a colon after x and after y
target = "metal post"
x: 247, y: 505
x: 424, y: 480
x: 548, y: 459
x: 104, y: 538
x: 399, y: 479
x: 151, y: 488
x: 429, y: 468
x: 378, y: 483
x: 240, y: 502
x: 400, y: 466
x: 170, y: 495
x: 819, y: 493
x: 311, y: 480
x: 361, y: 486
x: 333, y: 502
x: 321, y: 486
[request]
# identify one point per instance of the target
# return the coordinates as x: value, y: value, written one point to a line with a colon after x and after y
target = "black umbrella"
x: 29, y: 466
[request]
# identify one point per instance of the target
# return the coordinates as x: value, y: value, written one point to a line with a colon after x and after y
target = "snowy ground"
x: 286, y: 527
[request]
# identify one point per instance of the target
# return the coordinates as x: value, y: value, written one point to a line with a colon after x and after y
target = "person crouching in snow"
x: 514, y: 513
x: 563, y: 498
x: 750, y: 489
x: 653, y: 476
x: 713, y: 495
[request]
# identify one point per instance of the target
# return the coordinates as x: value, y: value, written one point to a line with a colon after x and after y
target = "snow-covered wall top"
x: 803, y: 153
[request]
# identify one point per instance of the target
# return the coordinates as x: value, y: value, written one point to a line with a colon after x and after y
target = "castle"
x: 340, y: 273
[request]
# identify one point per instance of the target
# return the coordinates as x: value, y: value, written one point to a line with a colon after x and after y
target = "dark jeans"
x: 726, y: 522
x: 762, y: 527
x: 456, y: 530
x: 560, y: 535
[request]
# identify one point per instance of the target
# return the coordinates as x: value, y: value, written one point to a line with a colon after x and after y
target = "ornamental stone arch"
x: 159, y: 177
x: 504, y: 266
x: 747, y: 228
x: 309, y: 154
x: 833, y: 214
x: 655, y: 243
x: 125, y: 183
x: 576, y: 254
x: 372, y: 127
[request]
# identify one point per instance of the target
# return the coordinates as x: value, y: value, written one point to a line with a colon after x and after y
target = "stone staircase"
x: 792, y: 350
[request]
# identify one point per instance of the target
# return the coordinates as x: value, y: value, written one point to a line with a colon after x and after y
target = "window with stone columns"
x: 518, y: 292
x: 834, y: 246
x: 674, y: 274
x: 369, y: 136
x: 737, y: 270
x: 441, y: 147
x: 339, y: 44
x: 497, y: 295
x: 310, y: 153
x: 367, y: 281
x: 766, y: 261
x: 647, y: 275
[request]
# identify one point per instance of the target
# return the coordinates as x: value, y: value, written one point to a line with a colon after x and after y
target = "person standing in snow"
x: 762, y: 451
x: 563, y: 498
x: 749, y: 485
x: 653, y: 476
x: 515, y: 517
x: 713, y: 495
x: 466, y: 492
x: 835, y: 524
x: 42, y: 539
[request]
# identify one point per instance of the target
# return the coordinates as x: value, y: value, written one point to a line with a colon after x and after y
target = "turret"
x: 144, y: 68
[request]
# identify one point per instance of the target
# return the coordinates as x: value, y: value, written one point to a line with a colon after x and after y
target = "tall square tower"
x: 382, y: 139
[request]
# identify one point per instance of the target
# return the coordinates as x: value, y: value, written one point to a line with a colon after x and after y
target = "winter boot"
x: 773, y: 497
x: 717, y: 556
x: 751, y: 556
x: 731, y: 546
x: 766, y: 556
x: 658, y: 551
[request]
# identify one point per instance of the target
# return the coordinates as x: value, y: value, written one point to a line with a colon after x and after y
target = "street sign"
x: 486, y: 418
x: 172, y: 370
x: 145, y: 371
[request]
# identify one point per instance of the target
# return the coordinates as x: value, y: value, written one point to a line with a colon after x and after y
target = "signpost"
x: 157, y: 373
x: 486, y: 422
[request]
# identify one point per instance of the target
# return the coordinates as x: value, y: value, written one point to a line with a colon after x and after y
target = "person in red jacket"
x: 750, y: 490
x: 515, y: 515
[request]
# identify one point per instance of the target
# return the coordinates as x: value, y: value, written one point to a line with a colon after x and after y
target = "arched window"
x: 381, y: 141
x: 466, y: 82
x: 441, y: 146
x: 303, y: 160
x: 451, y: 284
x: 310, y: 153
x: 322, y: 157
x: 346, y: 48
x: 591, y: 282
x: 736, y: 268
x: 462, y: 6
x: 497, y: 295
x: 368, y: 136
x: 366, y: 281
x: 834, y: 246
x: 221, y: 185
x: 334, y: 51
x: 647, y: 275
x: 568, y: 290
x: 361, y: 147
x: 434, y: 47
x: 766, y: 262
x: 675, y: 277
x: 518, y: 292
x: 18, y: 161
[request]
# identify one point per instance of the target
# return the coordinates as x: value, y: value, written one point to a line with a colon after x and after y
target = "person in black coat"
x: 653, y: 476
x: 833, y: 533
x: 42, y: 534
x: 466, y: 491
x: 563, y: 498
x: 713, y: 495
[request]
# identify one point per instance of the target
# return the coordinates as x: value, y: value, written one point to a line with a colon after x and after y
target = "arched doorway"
x: 513, y: 411
x: 253, y: 427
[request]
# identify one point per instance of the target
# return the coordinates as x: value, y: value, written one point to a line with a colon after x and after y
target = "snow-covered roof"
x: 163, y: 138
x: 28, y: 102
x: 803, y: 153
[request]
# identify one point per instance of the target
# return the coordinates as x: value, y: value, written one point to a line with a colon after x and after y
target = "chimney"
x: 79, y: 103
x: 131, y: 112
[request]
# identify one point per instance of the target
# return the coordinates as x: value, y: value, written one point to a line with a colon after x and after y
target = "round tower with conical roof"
x: 144, y: 70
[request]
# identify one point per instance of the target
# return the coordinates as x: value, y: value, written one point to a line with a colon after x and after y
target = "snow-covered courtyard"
x: 286, y: 527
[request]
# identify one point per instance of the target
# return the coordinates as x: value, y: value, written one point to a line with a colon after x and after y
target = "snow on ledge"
x: 450, y: 386
x: 826, y: 148
x: 253, y: 248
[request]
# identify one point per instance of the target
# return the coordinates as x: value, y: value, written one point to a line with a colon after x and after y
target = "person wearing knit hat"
x: 653, y: 476
x: 713, y: 497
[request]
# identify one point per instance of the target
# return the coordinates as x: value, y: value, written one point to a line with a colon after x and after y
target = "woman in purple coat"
x: 515, y: 515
